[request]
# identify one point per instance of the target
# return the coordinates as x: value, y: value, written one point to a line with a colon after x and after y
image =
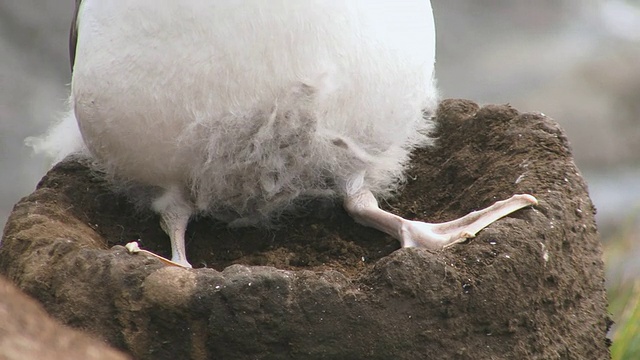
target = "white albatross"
x: 237, y: 108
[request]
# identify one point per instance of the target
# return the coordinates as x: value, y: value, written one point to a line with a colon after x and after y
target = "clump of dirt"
x: 529, y: 286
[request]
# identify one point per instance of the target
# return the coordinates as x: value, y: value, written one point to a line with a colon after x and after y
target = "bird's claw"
x: 134, y: 248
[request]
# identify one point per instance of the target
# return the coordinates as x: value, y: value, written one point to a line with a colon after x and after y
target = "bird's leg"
x: 175, y: 212
x: 363, y: 207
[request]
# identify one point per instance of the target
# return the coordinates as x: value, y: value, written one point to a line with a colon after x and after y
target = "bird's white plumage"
x: 247, y: 105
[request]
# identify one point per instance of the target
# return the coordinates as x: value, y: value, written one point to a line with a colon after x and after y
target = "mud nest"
x: 320, y: 286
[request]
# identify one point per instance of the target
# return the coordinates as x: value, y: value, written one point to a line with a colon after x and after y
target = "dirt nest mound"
x: 322, y: 287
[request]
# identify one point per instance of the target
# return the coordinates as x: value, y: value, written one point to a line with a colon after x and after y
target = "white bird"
x: 239, y: 108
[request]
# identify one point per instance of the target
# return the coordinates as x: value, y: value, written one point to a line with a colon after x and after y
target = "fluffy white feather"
x: 62, y: 140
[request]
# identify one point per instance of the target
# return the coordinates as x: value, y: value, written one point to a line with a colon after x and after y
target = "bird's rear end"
x: 181, y: 93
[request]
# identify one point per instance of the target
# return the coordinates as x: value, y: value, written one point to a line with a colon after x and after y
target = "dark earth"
x: 319, y: 286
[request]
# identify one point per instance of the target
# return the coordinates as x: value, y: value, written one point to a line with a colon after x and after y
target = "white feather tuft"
x: 61, y: 140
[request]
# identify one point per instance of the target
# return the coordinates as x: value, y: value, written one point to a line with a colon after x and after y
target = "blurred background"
x: 577, y: 61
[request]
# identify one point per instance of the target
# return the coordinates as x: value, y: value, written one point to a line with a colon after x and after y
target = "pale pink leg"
x: 174, y: 212
x: 363, y: 207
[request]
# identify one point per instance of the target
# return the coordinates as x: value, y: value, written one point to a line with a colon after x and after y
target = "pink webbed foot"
x: 363, y: 207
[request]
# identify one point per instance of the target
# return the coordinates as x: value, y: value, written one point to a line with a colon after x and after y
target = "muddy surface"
x: 319, y: 285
